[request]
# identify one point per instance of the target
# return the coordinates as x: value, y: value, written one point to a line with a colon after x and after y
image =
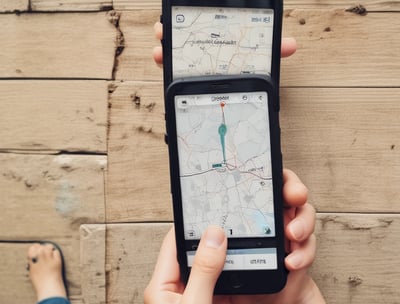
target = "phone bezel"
x: 276, y: 5
x: 255, y: 281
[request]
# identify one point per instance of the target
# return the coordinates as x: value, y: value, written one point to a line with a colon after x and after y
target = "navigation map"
x: 213, y: 41
x: 225, y: 164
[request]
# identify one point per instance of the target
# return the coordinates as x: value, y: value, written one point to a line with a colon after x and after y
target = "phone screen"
x: 221, y: 41
x: 225, y: 171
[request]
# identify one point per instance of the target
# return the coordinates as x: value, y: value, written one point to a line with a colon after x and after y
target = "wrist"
x: 313, y: 294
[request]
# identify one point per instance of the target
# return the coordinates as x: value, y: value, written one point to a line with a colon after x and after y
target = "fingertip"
x: 302, y: 225
x: 289, y: 46
x: 295, y: 230
x: 214, y: 237
x: 158, y: 30
x: 207, y: 266
x: 211, y: 253
x: 294, y: 261
x: 157, y: 55
x: 303, y: 255
x: 295, y: 193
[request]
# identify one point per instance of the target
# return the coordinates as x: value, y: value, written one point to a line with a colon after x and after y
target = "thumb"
x: 207, y: 266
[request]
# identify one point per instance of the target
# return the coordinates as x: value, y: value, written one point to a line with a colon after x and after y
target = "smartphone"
x: 221, y: 37
x: 226, y: 170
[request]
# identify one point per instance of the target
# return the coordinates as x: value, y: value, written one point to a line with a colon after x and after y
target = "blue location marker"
x: 222, y: 132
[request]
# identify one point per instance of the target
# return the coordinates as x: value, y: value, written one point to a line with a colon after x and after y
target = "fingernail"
x: 214, y: 237
x: 297, y: 229
x: 295, y: 260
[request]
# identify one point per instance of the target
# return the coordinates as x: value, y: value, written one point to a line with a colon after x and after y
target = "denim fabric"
x: 55, y: 301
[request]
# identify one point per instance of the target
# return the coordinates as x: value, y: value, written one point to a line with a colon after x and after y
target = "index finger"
x: 295, y: 193
x: 158, y: 30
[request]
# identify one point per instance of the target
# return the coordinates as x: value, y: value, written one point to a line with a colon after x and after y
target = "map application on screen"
x: 225, y: 164
x: 221, y: 41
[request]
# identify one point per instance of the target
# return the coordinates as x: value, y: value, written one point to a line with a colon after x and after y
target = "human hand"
x: 288, y: 47
x: 166, y: 287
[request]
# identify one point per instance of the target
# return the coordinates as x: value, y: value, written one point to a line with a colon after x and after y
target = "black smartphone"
x: 221, y: 37
x: 226, y: 170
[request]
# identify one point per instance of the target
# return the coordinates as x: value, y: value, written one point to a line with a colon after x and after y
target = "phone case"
x: 245, y: 281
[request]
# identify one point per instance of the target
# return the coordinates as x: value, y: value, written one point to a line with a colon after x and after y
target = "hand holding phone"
x: 226, y: 170
x: 224, y: 146
x: 207, y: 37
x: 166, y: 286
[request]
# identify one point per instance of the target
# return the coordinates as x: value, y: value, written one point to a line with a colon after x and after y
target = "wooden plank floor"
x: 83, y: 160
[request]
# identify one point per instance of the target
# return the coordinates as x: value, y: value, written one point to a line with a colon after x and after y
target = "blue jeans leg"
x: 56, y: 300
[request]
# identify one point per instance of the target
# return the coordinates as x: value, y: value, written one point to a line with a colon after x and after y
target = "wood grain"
x: 344, y: 143
x: 335, y: 48
x: 338, y: 48
x: 340, y: 133
x: 57, y: 46
x: 357, y: 258
x: 126, y: 5
x: 70, y: 5
x: 13, y: 5
x: 370, y: 5
x: 49, y: 197
x: 136, y: 61
x: 92, y: 263
x: 357, y: 255
x: 138, y: 176
x: 132, y: 250
x: 53, y: 116
x: 16, y: 286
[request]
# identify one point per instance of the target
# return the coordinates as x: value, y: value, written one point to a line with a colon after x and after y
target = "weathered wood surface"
x: 132, y: 250
x: 85, y: 272
x: 14, y: 5
x: 70, y: 5
x: 136, y: 61
x: 92, y: 263
x: 344, y: 144
x: 338, y: 48
x: 49, y: 197
x: 340, y: 132
x: 138, y: 176
x: 136, y: 4
x: 335, y: 48
x: 57, y: 45
x: 357, y: 258
x: 53, y: 115
x: 95, y: 5
x: 370, y: 5
x: 16, y: 286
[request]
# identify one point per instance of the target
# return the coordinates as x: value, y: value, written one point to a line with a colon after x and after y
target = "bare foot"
x: 45, y: 266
